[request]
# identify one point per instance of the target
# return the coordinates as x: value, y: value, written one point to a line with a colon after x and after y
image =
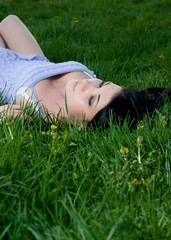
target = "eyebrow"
x: 104, y: 84
x: 98, y: 99
x: 107, y: 83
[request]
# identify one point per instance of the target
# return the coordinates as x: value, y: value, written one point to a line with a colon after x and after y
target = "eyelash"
x: 91, y: 98
x: 101, y: 84
x: 90, y: 101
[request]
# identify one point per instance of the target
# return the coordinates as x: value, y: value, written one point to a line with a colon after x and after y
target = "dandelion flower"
x: 53, y: 127
x: 136, y: 181
x: 124, y: 150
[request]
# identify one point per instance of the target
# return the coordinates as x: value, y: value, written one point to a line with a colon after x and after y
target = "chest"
x: 50, y: 91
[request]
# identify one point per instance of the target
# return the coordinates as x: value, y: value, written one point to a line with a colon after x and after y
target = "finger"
x: 15, y: 107
x: 10, y: 113
x: 7, y: 107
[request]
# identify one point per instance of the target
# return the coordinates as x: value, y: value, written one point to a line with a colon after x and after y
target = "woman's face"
x: 86, y: 97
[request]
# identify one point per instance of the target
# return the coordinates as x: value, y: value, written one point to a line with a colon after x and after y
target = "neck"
x: 51, y: 93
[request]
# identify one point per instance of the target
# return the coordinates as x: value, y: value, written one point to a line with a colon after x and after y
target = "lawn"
x: 69, y: 184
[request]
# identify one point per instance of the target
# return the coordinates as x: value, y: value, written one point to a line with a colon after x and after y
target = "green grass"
x: 71, y: 184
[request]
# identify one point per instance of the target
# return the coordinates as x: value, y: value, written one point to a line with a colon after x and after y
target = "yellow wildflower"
x: 124, y: 152
x: 124, y: 149
x: 141, y: 127
x: 53, y: 127
x: 76, y: 21
x: 135, y: 181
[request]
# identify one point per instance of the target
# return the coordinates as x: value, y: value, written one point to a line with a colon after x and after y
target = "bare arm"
x: 2, y: 43
x: 16, y: 36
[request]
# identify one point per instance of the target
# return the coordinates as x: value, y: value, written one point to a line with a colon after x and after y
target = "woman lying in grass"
x: 66, y: 90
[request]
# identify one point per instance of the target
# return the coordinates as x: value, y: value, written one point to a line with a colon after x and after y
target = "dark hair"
x: 131, y: 105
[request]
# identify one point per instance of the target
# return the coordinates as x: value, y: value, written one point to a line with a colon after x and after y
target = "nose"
x: 84, y: 85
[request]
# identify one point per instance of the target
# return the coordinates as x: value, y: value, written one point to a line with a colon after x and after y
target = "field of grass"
x: 71, y: 184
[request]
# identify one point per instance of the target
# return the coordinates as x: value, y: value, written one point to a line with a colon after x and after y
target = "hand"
x: 10, y: 111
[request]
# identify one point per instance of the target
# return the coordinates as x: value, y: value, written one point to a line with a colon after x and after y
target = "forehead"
x: 105, y: 95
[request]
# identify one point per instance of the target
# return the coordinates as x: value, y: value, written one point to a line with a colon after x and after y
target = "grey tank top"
x: 18, y: 70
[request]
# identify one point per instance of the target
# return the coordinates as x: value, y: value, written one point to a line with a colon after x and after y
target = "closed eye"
x: 90, y: 101
x: 91, y: 98
x: 101, y: 84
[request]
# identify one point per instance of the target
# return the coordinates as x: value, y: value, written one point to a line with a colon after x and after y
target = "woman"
x: 66, y: 90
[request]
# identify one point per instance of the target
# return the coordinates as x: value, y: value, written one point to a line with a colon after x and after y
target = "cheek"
x: 76, y: 107
x: 79, y: 109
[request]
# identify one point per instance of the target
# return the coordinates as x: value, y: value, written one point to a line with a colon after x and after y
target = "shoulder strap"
x: 37, y: 101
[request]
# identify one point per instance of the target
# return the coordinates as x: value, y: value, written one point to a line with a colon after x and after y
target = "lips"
x: 75, y: 84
